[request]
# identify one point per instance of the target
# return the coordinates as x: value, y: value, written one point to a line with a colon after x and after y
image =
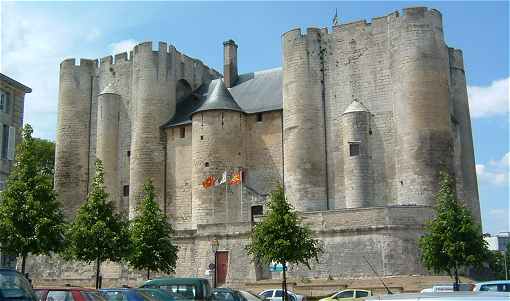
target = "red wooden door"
x: 222, y: 266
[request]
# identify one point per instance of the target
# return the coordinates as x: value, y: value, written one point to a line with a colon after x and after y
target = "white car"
x: 493, y: 286
x: 277, y: 294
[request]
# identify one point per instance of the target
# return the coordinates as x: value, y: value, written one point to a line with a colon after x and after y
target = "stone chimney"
x: 230, y: 63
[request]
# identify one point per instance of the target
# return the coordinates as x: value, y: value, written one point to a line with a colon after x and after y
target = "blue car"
x: 136, y: 294
x: 14, y: 286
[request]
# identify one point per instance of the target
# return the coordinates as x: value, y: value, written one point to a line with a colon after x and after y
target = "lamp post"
x: 214, y: 247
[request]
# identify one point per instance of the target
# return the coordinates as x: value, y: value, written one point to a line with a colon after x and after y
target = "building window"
x: 353, y: 149
x: 206, y: 164
x: 5, y: 141
x: 202, y: 137
x: 256, y: 213
x: 5, y: 101
x: 125, y: 190
x: 182, y: 132
x: 129, y: 153
x: 259, y: 117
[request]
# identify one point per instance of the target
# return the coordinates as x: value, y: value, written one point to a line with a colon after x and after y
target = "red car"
x: 67, y: 294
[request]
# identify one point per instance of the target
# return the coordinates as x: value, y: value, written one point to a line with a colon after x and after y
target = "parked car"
x: 277, y: 294
x: 493, y: 286
x: 14, y: 286
x: 228, y: 294
x: 448, y: 287
x: 348, y: 294
x: 445, y: 296
x: 136, y: 294
x: 183, y: 288
x: 67, y: 294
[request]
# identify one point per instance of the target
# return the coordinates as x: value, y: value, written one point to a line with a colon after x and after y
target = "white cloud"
x: 499, y: 219
x: 488, y: 101
x: 122, y: 46
x: 496, y: 172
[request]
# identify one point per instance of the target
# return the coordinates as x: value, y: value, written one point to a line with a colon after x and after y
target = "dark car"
x: 68, y: 294
x: 14, y: 286
x: 136, y: 294
x: 228, y: 294
x: 197, y: 289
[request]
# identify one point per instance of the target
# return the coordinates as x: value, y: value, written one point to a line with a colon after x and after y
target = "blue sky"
x: 37, y: 36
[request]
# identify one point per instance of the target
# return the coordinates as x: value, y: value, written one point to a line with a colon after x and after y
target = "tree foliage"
x: 31, y: 218
x: 152, y: 247
x: 98, y: 233
x: 45, y: 152
x: 280, y: 237
x: 497, y: 261
x: 452, y: 239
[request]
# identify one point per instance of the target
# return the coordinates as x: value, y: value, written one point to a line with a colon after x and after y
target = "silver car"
x: 277, y: 294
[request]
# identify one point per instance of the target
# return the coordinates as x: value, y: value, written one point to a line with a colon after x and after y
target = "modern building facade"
x: 356, y: 125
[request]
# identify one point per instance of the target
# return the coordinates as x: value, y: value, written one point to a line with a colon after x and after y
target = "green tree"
x: 98, y: 233
x: 497, y: 261
x: 152, y: 247
x: 31, y: 218
x: 281, y: 238
x: 452, y: 239
x: 45, y: 152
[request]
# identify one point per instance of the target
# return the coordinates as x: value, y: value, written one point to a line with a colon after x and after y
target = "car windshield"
x: 250, y: 297
x: 181, y: 291
x: 14, y: 286
x: 155, y: 294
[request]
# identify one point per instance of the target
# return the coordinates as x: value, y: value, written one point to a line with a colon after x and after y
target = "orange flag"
x: 236, y: 178
x: 209, y: 182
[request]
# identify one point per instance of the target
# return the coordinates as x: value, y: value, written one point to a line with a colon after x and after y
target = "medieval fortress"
x: 356, y: 125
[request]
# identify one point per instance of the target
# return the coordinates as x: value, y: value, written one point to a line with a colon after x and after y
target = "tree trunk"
x: 98, y: 266
x: 23, y: 263
x: 284, y: 283
x: 456, y: 285
x: 148, y: 274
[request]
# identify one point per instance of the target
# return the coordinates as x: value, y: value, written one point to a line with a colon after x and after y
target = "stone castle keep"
x: 356, y: 125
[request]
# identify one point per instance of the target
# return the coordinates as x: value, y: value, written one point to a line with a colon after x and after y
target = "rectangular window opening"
x: 257, y: 212
x: 5, y: 141
x: 259, y: 117
x: 354, y: 149
x: 182, y: 132
x: 125, y: 190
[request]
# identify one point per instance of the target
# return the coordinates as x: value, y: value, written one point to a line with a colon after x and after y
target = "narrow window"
x: 5, y: 141
x: 222, y: 120
x: 182, y: 132
x: 129, y: 153
x: 353, y: 149
x: 256, y: 212
x: 201, y: 137
x: 259, y: 117
x: 125, y: 190
x: 7, y: 102
x: 2, y: 101
x: 206, y: 164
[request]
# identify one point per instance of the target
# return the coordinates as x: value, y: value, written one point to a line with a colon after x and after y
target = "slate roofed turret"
x: 219, y: 98
x: 355, y: 106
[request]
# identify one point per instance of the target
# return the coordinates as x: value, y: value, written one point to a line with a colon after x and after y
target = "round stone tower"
x: 153, y: 96
x: 107, y: 146
x: 358, y: 178
x: 422, y: 118
x: 303, y: 121
x: 76, y: 91
x: 217, y: 147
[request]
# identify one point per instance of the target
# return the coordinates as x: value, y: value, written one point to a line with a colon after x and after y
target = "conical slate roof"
x: 219, y: 98
x: 355, y: 106
x: 109, y: 89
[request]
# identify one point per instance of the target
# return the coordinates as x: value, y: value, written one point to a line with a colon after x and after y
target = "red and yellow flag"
x: 236, y: 178
x: 210, y: 181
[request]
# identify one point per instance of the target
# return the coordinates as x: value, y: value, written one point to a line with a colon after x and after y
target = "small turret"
x: 230, y: 63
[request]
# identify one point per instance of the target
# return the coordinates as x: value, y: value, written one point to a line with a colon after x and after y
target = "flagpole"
x: 226, y: 198
x: 242, y: 204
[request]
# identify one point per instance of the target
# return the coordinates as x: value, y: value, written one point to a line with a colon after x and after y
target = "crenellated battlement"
x: 377, y: 24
